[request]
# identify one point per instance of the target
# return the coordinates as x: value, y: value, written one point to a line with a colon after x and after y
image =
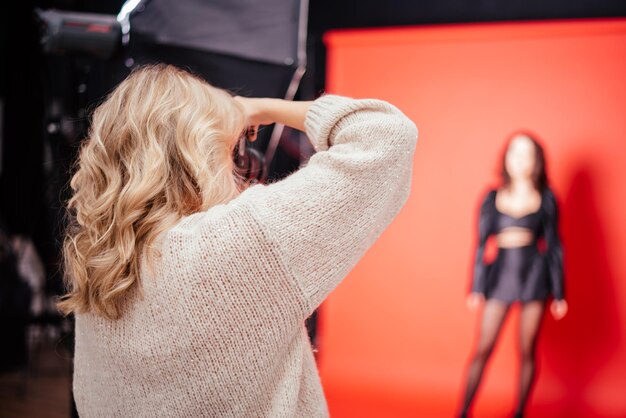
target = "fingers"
x: 558, y: 309
x: 251, y: 110
x: 474, y: 300
x: 252, y: 132
x: 554, y: 311
x: 254, y: 110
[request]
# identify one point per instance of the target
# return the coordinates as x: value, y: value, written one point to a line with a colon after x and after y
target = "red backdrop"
x: 395, y: 337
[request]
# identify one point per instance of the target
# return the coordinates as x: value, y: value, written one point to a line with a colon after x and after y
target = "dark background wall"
x: 329, y: 14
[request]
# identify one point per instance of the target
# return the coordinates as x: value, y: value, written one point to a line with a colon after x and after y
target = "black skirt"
x: 518, y: 274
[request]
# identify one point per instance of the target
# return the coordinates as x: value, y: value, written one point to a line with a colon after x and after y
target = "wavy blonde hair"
x: 160, y: 147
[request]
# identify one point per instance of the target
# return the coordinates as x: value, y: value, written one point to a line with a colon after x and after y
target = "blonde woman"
x: 190, y: 291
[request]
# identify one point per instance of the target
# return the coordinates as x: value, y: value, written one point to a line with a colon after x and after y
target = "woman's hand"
x: 558, y: 308
x: 256, y: 113
x: 474, y: 300
x: 265, y: 111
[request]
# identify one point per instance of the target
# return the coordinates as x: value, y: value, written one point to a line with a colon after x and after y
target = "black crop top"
x: 543, y: 222
x: 532, y: 221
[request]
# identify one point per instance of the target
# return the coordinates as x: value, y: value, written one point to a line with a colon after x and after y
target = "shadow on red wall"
x: 584, y: 341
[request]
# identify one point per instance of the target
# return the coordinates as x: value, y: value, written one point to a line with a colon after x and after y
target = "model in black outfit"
x: 520, y: 215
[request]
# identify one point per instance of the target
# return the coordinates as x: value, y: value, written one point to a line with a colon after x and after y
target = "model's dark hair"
x: 539, y: 176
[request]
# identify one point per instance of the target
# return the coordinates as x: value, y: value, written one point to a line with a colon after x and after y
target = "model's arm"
x: 554, y: 255
x: 554, y: 251
x: 485, y: 221
x: 325, y: 216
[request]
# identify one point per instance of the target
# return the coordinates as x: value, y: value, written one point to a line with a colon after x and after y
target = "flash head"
x: 64, y: 33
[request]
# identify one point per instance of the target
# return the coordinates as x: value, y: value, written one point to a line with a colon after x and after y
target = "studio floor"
x: 43, y: 388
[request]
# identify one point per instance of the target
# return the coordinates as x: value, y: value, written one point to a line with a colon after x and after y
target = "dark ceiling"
x: 327, y: 14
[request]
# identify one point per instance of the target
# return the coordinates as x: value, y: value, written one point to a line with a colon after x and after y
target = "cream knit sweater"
x: 219, y: 330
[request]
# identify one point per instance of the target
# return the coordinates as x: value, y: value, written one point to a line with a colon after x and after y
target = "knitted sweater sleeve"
x: 325, y: 216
